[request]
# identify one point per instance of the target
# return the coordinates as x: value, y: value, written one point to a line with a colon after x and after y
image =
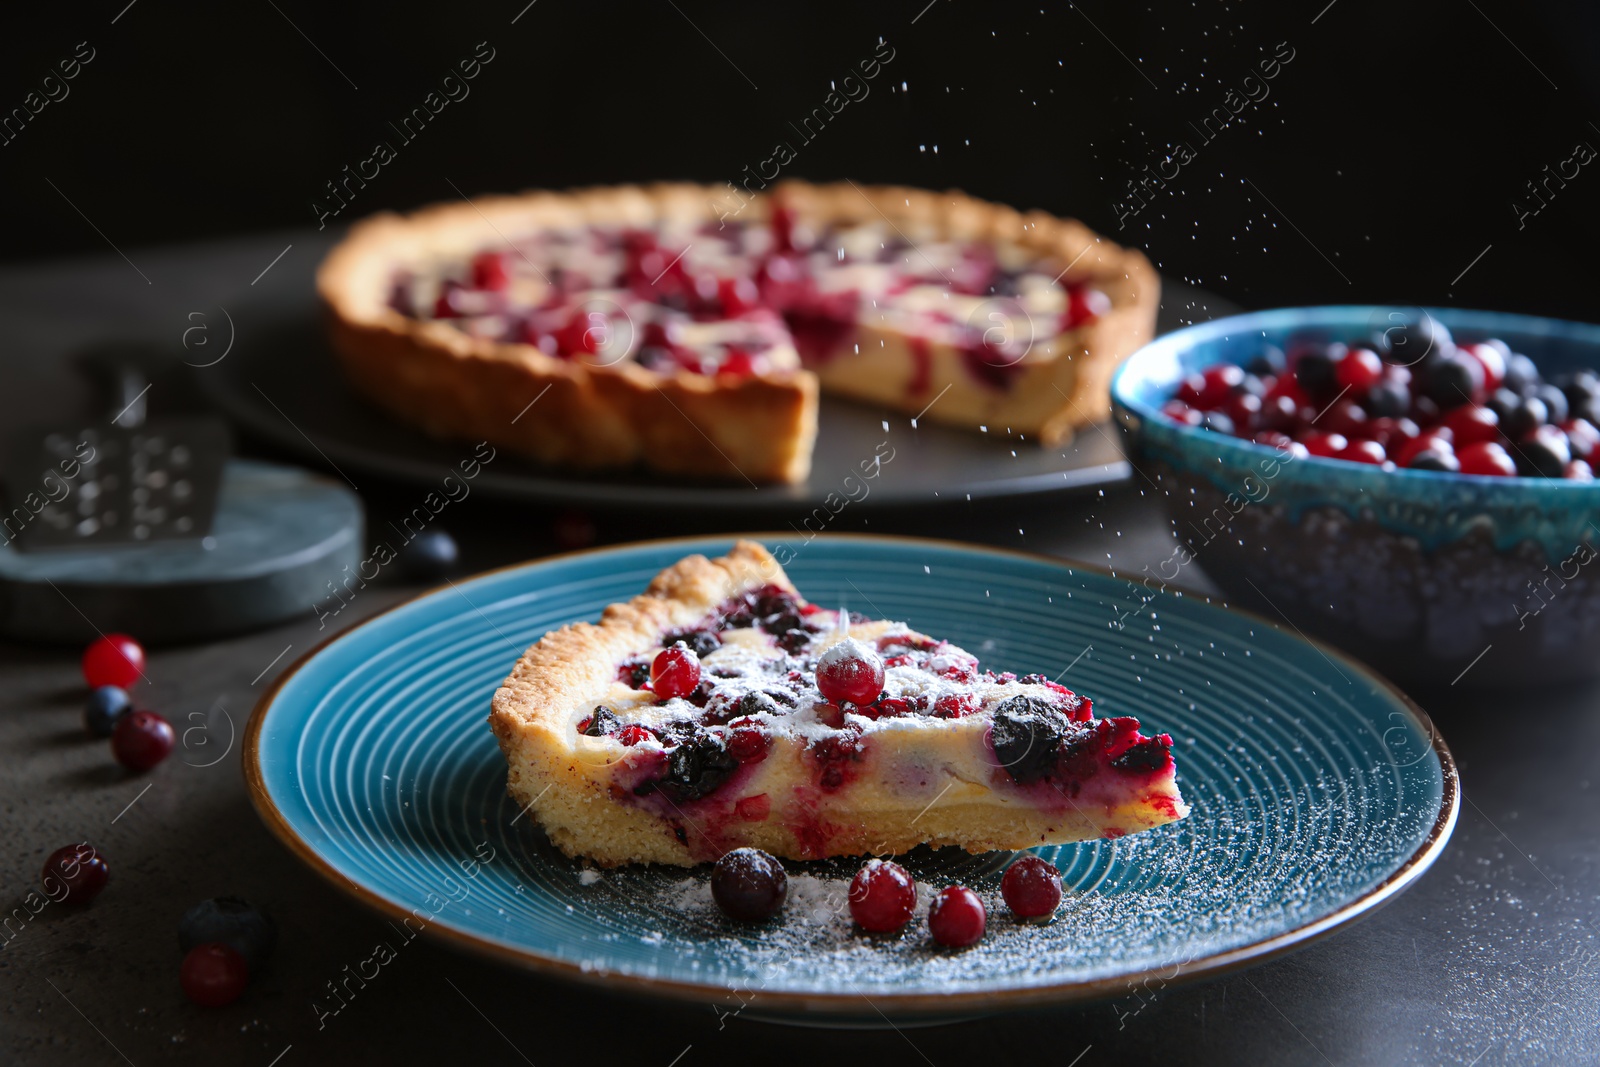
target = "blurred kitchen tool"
x: 124, y: 479
x: 147, y: 527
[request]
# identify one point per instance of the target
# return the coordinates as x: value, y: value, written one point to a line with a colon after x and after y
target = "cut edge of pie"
x: 759, y: 427
x: 910, y: 780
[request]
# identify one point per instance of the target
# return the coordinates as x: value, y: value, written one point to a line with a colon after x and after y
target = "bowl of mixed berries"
x: 1415, y: 486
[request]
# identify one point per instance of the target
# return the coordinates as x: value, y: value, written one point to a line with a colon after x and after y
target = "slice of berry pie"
x: 720, y: 709
x: 651, y: 325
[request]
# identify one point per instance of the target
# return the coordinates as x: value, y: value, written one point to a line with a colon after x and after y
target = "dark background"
x: 1396, y: 139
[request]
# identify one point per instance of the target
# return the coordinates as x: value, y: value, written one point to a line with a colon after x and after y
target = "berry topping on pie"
x: 650, y: 313
x: 720, y: 710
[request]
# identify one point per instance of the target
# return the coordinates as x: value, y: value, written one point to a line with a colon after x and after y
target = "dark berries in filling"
x: 883, y: 897
x: 696, y: 767
x: 701, y: 642
x: 1151, y: 754
x: 1029, y: 736
x: 1031, y: 887
x: 749, y: 885
x: 603, y: 722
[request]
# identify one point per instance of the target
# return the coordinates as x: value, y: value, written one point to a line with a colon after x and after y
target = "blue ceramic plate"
x: 1318, y: 790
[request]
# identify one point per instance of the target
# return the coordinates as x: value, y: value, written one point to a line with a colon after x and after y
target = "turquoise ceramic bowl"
x: 1424, y: 575
x: 1318, y: 792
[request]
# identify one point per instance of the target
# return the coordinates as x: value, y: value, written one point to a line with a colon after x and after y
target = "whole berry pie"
x: 720, y: 710
x: 650, y: 326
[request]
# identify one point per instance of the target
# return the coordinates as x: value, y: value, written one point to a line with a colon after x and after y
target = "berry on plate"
x: 850, y: 671
x: 956, y: 918
x: 883, y: 896
x: 1031, y: 887
x: 749, y: 885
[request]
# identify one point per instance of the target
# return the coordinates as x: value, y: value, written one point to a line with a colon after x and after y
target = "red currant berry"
x: 1031, y: 887
x: 213, y: 974
x: 956, y: 918
x: 1493, y: 362
x: 634, y: 735
x: 675, y: 672
x: 1363, y: 452
x: 77, y: 867
x: 1359, y: 370
x: 489, y: 271
x: 1471, y: 423
x: 141, y: 740
x: 1486, y: 457
x: 115, y: 659
x: 1578, y: 471
x: 1179, y: 412
x: 737, y: 295
x: 883, y: 897
x: 850, y: 671
x: 1085, y: 305
x: 1434, y: 440
x: 1324, y: 444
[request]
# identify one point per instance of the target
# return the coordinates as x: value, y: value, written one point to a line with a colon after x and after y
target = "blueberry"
x: 1555, y: 402
x: 1388, y: 400
x: 1579, y: 386
x: 1422, y: 338
x: 240, y: 925
x: 702, y: 642
x: 106, y: 705
x: 749, y: 885
x: 1268, y: 361
x: 430, y: 556
x: 1453, y: 380
x: 1521, y: 374
x: 1431, y: 460
x: 695, y: 768
x: 1524, y: 417
x: 1545, y: 455
x: 1315, y: 372
x: 1031, y: 735
x: 602, y: 722
x: 1217, y: 422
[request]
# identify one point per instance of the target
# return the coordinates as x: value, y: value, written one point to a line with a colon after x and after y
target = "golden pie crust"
x: 758, y: 429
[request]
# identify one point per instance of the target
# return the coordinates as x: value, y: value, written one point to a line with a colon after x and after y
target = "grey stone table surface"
x: 1491, y: 958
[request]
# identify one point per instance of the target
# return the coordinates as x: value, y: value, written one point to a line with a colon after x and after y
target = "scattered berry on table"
x: 107, y: 704
x: 141, y: 740
x: 883, y: 896
x: 749, y: 885
x: 115, y: 659
x: 429, y: 556
x: 240, y: 925
x: 80, y: 868
x: 1031, y: 887
x: 213, y: 974
x: 956, y: 918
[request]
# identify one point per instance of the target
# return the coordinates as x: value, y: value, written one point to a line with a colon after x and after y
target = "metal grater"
x: 124, y: 481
